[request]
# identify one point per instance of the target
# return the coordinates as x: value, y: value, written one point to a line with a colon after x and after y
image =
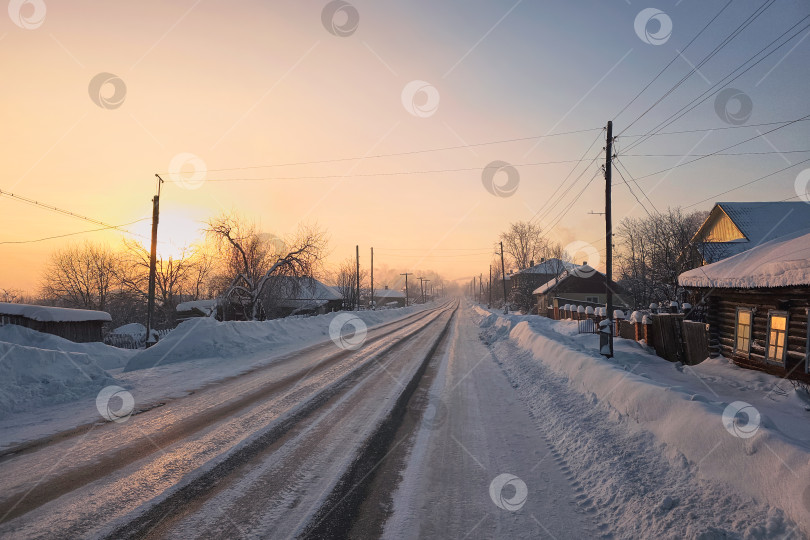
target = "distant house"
x: 195, y: 308
x: 79, y: 325
x: 581, y: 285
x: 522, y: 283
x: 286, y: 295
x: 757, y: 304
x: 389, y: 297
x: 734, y: 227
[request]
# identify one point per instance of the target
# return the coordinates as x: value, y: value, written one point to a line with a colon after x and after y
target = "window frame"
x: 777, y: 313
x: 592, y: 299
x: 735, y: 350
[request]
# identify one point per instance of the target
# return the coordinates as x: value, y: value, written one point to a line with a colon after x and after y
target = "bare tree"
x: 654, y: 251
x: 253, y: 262
x: 81, y: 276
x: 346, y: 282
x: 524, y: 243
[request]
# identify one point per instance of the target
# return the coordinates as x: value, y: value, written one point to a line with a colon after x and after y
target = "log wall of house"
x: 723, y: 304
x: 78, y: 331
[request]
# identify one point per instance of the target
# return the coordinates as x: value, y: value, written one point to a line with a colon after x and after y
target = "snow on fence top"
x: 53, y: 314
x: 782, y: 262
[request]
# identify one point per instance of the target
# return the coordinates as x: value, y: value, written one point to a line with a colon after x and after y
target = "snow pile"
x: 763, y: 454
x: 207, y: 338
x: 782, y: 262
x: 102, y: 355
x: 134, y: 330
x: 31, y: 377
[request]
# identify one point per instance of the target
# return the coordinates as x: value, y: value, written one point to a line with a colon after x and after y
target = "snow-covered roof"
x: 574, y: 270
x: 759, y: 222
x: 131, y: 329
x: 782, y: 262
x: 203, y: 305
x: 53, y: 314
x: 311, y: 292
x: 550, y: 266
x: 388, y: 293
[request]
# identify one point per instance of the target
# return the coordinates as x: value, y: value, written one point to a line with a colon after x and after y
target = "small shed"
x: 582, y: 285
x: 757, y: 305
x: 389, y: 297
x: 79, y: 325
x: 195, y: 308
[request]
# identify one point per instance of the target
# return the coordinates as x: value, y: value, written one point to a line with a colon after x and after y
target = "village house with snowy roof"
x: 734, y: 227
x: 581, y: 286
x: 757, y: 304
x: 522, y: 283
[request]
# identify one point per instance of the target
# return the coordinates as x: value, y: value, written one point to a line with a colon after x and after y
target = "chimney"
x: 584, y: 263
x: 531, y: 263
x: 386, y: 287
x: 542, y: 259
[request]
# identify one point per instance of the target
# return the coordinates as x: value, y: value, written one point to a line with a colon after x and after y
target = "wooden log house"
x: 757, y: 305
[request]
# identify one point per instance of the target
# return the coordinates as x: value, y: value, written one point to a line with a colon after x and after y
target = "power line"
x: 724, y: 81
x: 65, y: 212
x: 749, y: 183
x: 702, y: 130
x: 638, y: 186
x: 373, y: 175
x: 759, y: 11
x: 721, y: 154
x: 723, y: 149
x: 73, y: 233
x: 671, y: 61
x: 407, y: 153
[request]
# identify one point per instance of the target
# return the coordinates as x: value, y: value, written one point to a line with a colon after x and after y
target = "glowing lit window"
x: 777, y: 332
x: 742, y: 341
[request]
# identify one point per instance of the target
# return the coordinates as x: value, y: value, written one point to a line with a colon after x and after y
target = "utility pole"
x: 489, y: 306
x: 609, y: 235
x: 480, y: 288
x: 406, y: 274
x: 421, y: 288
x: 372, y: 279
x: 357, y: 252
x: 503, y: 274
x: 424, y: 290
x: 152, y: 264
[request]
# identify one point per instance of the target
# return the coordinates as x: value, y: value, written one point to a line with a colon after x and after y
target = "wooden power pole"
x: 150, y: 304
x: 406, y: 274
x: 609, y: 235
x: 503, y: 274
x: 357, y: 253
x: 372, y: 279
x: 490, y: 287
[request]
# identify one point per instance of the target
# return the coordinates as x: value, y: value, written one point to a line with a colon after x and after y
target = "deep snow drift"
x: 723, y: 473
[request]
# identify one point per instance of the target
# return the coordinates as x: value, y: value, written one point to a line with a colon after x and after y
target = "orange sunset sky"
x: 264, y: 91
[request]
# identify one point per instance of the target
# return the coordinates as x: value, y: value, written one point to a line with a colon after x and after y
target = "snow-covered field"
x: 49, y: 385
x: 664, y: 450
